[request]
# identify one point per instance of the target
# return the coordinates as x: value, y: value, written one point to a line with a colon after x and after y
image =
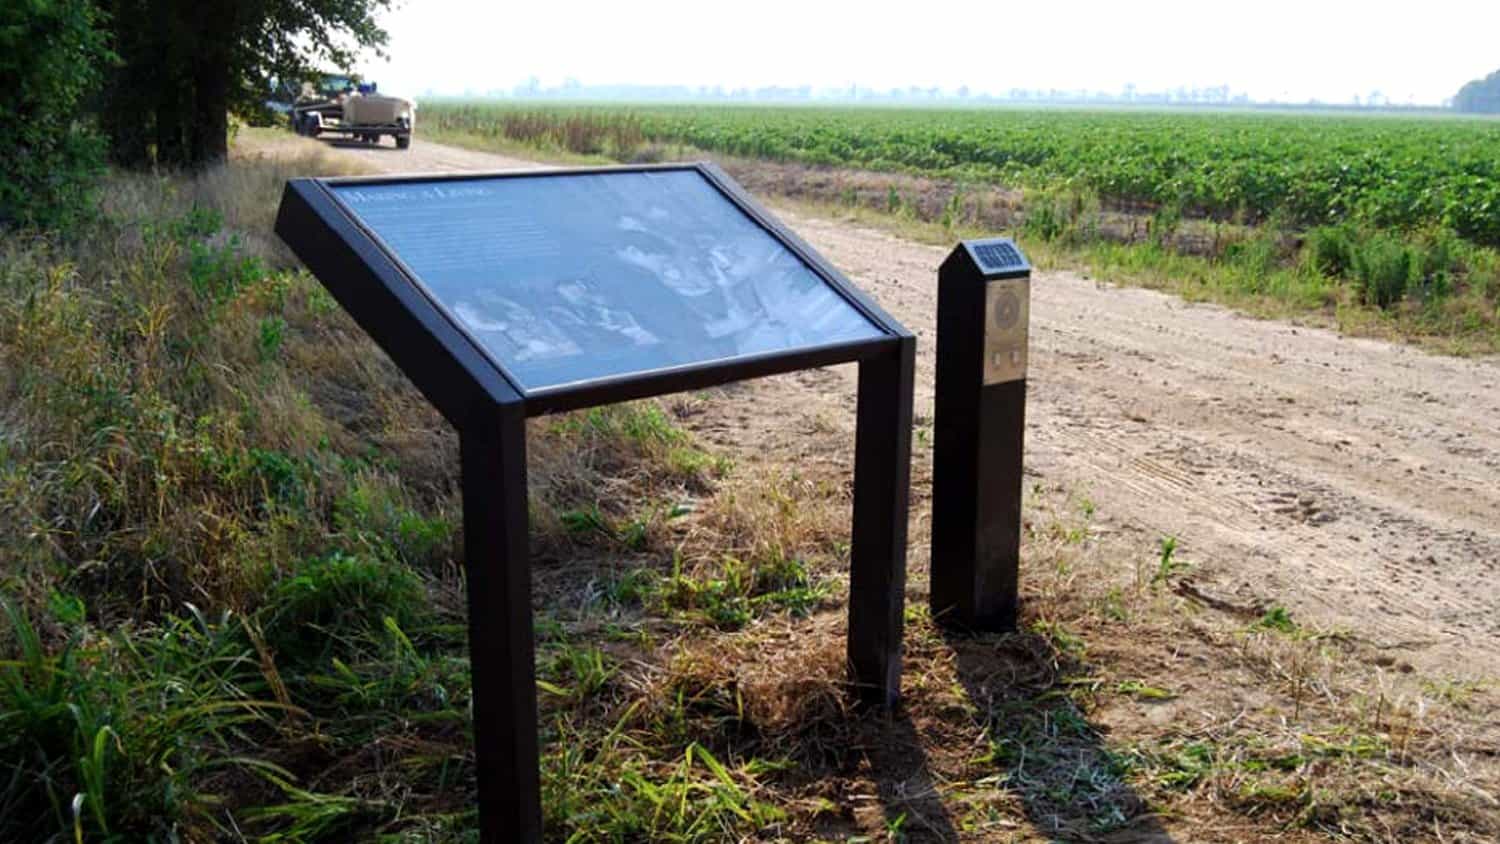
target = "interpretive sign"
x: 573, y: 278
x: 508, y: 295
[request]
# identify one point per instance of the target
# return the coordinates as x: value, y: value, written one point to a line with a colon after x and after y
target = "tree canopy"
x: 185, y: 64
x: 50, y: 52
x: 1482, y: 96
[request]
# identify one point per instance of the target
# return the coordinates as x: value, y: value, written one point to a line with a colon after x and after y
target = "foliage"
x: 50, y: 55
x: 1382, y: 268
x: 1060, y: 214
x: 1386, y: 268
x: 119, y: 738
x: 187, y: 64
x: 1307, y: 171
x: 1331, y: 249
x: 1482, y: 96
x: 311, y: 613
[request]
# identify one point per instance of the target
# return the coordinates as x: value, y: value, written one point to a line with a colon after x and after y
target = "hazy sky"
x: 1272, y: 49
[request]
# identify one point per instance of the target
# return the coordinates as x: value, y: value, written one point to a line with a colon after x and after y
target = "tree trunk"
x: 214, y: 32
x: 168, y: 103
x: 210, y: 121
x: 172, y: 111
x: 127, y: 110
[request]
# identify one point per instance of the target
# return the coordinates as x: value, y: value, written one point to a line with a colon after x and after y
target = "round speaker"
x: 1007, y: 310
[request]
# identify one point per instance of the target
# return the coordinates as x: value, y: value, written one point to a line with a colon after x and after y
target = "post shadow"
x: 1058, y: 764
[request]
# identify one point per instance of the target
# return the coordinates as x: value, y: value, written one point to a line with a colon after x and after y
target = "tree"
x: 49, y: 155
x: 187, y: 63
x: 1482, y: 96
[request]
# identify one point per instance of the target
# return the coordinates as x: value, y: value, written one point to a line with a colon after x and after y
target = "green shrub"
x: 338, y: 603
x: 1383, y: 267
x: 1438, y: 262
x: 1164, y: 224
x: 50, y: 55
x: 1330, y: 250
x: 1387, y: 267
x: 218, y: 272
x: 374, y: 513
x: 112, y: 738
x: 1066, y: 214
x: 1258, y: 258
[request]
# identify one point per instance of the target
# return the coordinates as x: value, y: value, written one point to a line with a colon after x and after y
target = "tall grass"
x: 128, y: 736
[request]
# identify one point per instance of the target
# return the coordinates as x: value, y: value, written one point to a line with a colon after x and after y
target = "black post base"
x: 976, y: 536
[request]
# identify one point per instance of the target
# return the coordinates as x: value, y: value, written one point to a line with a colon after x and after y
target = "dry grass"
x: 1127, y: 710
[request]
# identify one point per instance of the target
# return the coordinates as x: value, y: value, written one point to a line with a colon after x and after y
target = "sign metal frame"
x: 471, y: 389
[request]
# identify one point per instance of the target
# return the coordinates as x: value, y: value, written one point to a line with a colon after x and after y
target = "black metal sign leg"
x: 882, y: 479
x: 500, y: 633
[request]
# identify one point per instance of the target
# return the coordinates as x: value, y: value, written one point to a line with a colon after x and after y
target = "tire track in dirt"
x: 1353, y: 481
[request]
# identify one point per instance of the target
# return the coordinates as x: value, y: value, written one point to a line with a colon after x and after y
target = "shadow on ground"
x: 1043, y: 751
x: 909, y: 795
x: 1043, y: 770
x: 351, y: 143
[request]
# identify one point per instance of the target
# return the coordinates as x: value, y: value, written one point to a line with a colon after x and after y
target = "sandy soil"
x: 1355, y: 482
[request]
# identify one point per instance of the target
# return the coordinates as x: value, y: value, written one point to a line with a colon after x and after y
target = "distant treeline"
x: 1482, y: 96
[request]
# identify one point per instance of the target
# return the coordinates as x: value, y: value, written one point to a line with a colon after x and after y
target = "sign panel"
x: 566, y: 278
x: 1007, y: 313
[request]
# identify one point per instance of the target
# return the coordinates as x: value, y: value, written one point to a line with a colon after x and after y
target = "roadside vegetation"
x: 233, y: 609
x: 1381, y: 225
x: 50, y: 54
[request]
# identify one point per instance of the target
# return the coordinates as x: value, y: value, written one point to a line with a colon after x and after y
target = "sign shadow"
x: 909, y: 795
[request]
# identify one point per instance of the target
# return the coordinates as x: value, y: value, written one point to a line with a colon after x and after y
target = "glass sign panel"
x: 571, y: 277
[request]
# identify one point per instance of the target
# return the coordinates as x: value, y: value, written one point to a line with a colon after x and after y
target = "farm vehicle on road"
x: 343, y: 105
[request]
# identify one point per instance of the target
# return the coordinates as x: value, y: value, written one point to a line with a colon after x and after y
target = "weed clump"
x: 332, y: 604
x: 1068, y: 215
x: 1387, y: 269
x: 1382, y: 268
x: 124, y: 736
x: 581, y: 131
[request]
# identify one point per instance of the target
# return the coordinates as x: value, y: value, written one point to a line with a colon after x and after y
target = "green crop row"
x: 1306, y: 170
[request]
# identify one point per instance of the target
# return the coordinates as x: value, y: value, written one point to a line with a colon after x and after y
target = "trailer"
x: 357, y: 111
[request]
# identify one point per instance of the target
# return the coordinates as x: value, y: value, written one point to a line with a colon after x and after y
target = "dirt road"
x: 1355, y: 482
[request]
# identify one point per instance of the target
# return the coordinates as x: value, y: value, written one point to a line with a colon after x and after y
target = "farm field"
x: 1305, y: 170
x: 1382, y: 225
